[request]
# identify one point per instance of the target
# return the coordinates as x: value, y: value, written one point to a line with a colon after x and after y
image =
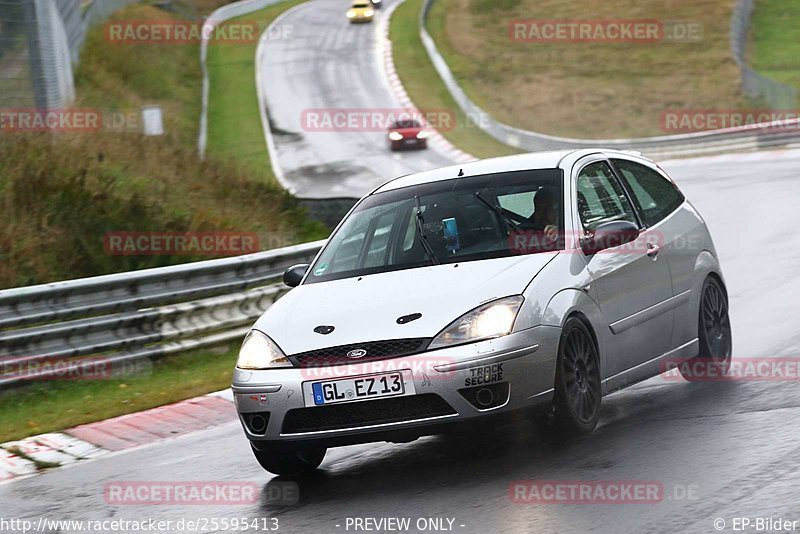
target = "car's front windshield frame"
x: 551, y: 177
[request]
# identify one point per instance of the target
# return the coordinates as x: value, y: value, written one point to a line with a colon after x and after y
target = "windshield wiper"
x: 508, y: 221
x: 419, y: 221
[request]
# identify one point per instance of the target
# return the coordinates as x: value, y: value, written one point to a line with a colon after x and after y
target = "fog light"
x: 256, y: 423
x: 486, y: 397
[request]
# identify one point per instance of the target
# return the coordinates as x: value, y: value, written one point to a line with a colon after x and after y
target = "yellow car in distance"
x: 361, y: 11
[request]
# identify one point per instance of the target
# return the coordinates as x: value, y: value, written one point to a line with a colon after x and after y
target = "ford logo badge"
x: 357, y: 353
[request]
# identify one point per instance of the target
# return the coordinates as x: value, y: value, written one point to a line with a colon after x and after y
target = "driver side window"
x: 601, y: 198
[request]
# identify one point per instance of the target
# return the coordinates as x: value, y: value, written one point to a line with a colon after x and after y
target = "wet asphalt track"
x: 323, y: 64
x: 732, y: 446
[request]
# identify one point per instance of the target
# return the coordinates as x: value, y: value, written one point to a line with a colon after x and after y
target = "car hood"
x: 367, y: 308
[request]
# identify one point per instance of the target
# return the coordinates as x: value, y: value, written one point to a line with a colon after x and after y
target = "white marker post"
x: 152, y: 120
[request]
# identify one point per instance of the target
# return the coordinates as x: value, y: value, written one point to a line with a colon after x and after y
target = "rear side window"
x: 656, y: 196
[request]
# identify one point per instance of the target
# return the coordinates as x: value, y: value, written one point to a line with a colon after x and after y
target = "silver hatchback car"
x: 537, y: 282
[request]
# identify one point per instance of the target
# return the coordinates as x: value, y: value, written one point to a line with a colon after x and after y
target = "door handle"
x: 653, y: 250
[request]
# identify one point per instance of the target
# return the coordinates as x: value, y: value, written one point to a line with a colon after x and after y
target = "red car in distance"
x: 407, y: 133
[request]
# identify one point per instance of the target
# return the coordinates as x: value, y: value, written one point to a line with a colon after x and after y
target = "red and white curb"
x: 435, y: 139
x: 35, y: 454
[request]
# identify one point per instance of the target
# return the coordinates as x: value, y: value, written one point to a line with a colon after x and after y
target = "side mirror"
x: 609, y: 235
x: 294, y: 274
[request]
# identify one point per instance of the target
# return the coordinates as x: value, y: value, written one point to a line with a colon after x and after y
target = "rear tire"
x: 576, y: 403
x: 289, y: 461
x: 713, y: 333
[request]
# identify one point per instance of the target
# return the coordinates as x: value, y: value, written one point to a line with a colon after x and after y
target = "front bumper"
x: 409, y: 143
x: 361, y: 18
x: 521, y: 366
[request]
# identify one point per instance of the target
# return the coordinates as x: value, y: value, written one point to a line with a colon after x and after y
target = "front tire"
x: 576, y: 404
x: 713, y: 332
x: 289, y: 461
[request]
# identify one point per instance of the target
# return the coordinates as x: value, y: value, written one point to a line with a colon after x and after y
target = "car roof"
x: 534, y: 160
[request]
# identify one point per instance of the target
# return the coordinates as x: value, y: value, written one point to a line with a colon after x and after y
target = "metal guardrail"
x: 776, y: 95
x: 132, y: 316
x: 755, y: 136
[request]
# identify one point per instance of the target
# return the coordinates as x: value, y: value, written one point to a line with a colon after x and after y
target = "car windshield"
x: 459, y: 220
x: 359, y: 6
x: 406, y: 124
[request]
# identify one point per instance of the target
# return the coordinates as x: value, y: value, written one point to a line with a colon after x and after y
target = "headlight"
x: 369, y: 13
x: 395, y: 136
x: 260, y: 352
x: 422, y: 135
x: 351, y: 14
x: 493, y: 319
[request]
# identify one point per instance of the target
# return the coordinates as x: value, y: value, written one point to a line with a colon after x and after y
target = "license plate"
x: 360, y: 388
x: 410, y: 141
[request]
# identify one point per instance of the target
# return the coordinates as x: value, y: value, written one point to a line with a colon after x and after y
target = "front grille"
x: 356, y: 414
x: 375, y: 350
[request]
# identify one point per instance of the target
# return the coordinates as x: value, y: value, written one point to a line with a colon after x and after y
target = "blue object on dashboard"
x: 451, y: 235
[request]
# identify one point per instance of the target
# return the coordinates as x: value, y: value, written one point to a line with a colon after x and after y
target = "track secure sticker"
x: 485, y: 375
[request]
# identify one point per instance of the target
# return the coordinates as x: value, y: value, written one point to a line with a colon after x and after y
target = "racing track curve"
x: 319, y: 61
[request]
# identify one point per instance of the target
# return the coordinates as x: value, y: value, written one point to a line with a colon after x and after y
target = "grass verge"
x: 426, y: 89
x: 120, y: 76
x: 234, y: 122
x: 775, y: 49
x: 593, y: 90
x: 55, y: 405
